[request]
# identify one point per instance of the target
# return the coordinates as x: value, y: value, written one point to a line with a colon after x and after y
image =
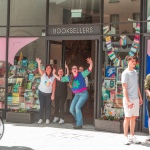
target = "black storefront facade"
x: 90, y: 24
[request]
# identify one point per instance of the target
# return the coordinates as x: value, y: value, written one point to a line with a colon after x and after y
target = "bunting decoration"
x: 105, y: 29
x: 132, y: 52
x: 123, y: 40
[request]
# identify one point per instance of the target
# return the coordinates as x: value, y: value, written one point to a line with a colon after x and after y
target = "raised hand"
x: 38, y: 60
x: 54, y: 71
x: 66, y: 66
x: 89, y: 60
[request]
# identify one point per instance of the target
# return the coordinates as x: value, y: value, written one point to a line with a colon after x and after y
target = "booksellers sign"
x: 74, y: 30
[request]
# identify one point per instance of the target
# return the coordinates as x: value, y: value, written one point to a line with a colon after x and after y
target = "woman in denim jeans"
x: 77, y: 83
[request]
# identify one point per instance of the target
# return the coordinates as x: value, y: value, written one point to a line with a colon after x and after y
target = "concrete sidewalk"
x: 63, y: 137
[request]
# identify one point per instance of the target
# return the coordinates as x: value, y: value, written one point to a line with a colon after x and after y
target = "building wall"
x: 125, y: 9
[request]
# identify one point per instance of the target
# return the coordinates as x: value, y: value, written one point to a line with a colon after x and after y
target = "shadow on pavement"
x: 54, y: 125
x: 145, y: 144
x: 15, y: 148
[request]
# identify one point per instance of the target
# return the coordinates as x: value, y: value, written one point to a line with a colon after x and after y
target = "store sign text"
x: 80, y: 30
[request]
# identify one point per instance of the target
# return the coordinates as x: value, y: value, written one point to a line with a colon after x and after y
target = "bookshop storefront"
x: 69, y: 31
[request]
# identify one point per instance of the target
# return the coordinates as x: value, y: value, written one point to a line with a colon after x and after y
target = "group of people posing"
x: 54, y: 86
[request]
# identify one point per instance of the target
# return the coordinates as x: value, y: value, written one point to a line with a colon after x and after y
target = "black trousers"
x: 45, y: 104
x: 59, y: 105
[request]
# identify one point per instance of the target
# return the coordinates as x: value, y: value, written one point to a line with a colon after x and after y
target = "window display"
x: 23, y: 84
x: 2, y: 84
x: 112, y: 93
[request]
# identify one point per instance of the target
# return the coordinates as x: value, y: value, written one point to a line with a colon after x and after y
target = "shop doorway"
x: 75, y: 52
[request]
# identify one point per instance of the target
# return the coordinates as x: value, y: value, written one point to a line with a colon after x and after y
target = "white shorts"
x: 130, y: 112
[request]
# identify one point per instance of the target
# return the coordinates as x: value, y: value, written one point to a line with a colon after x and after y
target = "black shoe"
x: 77, y: 127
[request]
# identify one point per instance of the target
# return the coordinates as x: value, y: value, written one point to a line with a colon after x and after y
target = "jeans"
x: 148, y: 108
x: 59, y: 106
x: 45, y: 103
x: 76, y: 104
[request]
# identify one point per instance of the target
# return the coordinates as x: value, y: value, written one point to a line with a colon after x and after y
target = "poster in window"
x: 119, y: 92
x: 119, y: 73
x: 110, y: 72
x: 109, y: 83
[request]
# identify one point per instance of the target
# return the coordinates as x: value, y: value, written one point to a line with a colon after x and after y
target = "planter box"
x: 109, y: 126
x: 36, y: 116
x: 20, y: 117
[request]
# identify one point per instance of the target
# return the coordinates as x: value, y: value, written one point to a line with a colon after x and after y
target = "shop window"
x: 114, y: 63
x: 28, y: 12
x: 136, y: 16
x: 74, y: 12
x: 3, y: 12
x: 125, y: 9
x: 23, y: 84
x: 2, y: 84
x: 2, y: 71
x: 114, y: 18
x: 23, y: 75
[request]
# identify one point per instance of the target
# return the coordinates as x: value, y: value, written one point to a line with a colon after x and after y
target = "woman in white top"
x: 46, y: 90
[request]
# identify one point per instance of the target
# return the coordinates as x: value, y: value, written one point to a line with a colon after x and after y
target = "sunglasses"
x: 74, y: 68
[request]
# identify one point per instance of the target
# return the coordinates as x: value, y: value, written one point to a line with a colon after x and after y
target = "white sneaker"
x: 61, y: 121
x: 40, y: 121
x: 126, y: 141
x: 47, y: 121
x: 55, y: 119
x: 133, y: 139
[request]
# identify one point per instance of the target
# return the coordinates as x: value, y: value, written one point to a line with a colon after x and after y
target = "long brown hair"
x: 51, y: 74
x: 72, y: 77
x: 71, y: 80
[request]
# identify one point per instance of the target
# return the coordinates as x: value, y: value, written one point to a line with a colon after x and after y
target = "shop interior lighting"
x: 76, y: 13
x: 43, y: 32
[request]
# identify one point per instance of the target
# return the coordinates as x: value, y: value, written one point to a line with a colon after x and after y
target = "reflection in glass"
x: 2, y: 31
x: 3, y: 12
x: 27, y: 12
x: 74, y: 12
x: 121, y: 11
x: 120, y: 28
x: 115, y: 18
x: 27, y: 31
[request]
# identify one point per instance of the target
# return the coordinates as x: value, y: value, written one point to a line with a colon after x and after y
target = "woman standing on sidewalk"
x: 77, y: 83
x: 46, y: 90
x: 60, y: 97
